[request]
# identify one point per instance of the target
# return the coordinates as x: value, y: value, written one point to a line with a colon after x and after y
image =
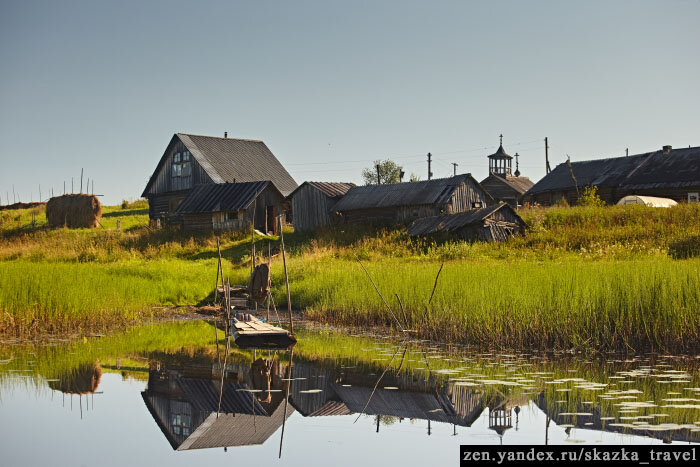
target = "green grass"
x: 616, y: 277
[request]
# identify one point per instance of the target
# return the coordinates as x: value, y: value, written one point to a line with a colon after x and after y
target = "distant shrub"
x: 138, y: 204
x: 590, y: 197
x: 687, y: 248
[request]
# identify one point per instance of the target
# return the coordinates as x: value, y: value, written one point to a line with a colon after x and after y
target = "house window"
x: 181, y: 164
x: 694, y: 197
x: 476, y: 205
x: 181, y: 424
x: 232, y: 216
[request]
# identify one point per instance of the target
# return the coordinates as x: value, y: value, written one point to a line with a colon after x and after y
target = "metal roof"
x: 436, y: 191
x: 657, y: 169
x: 330, y: 189
x: 233, y: 160
x: 221, y: 197
x: 452, y: 222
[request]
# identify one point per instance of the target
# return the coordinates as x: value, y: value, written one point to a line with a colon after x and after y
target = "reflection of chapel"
x: 502, y: 183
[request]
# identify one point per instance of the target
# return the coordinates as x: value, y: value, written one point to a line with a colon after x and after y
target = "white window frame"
x: 694, y: 197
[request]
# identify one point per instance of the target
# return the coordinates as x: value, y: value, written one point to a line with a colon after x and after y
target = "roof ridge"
x: 224, y: 138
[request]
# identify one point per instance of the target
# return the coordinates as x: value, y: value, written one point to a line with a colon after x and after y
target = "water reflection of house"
x: 184, y: 402
x: 593, y: 421
x: 348, y: 392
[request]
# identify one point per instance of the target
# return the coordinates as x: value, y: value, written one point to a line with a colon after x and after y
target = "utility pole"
x: 379, y: 180
x: 627, y: 152
x: 454, y: 166
x: 71, y: 185
x: 430, y: 159
x: 14, y: 198
x: 40, y: 192
x: 81, y: 181
x: 546, y: 155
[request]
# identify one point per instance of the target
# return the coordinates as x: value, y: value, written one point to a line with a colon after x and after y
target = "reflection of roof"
x: 186, y: 413
x: 395, y: 403
x: 330, y: 189
x: 235, y: 430
x: 436, y: 191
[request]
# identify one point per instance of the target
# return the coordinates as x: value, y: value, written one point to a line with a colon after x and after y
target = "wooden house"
x: 402, y: 203
x: 667, y: 173
x: 492, y: 224
x: 312, y: 203
x: 232, y: 206
x: 192, y: 160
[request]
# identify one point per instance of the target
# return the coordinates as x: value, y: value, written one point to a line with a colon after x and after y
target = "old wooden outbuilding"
x: 312, y: 203
x: 667, y: 173
x: 502, y: 183
x: 232, y: 206
x: 192, y: 160
x: 402, y: 203
x: 492, y: 224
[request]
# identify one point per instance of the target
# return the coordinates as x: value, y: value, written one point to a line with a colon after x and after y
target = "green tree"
x: 590, y: 197
x: 389, y: 172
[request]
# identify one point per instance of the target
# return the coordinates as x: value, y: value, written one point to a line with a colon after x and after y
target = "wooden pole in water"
x: 269, y: 292
x: 289, y: 384
x: 286, y: 278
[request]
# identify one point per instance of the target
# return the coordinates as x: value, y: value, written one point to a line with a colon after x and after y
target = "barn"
x: 667, y: 173
x: 312, y: 203
x: 496, y: 223
x: 402, y: 203
x: 192, y: 160
x: 232, y: 206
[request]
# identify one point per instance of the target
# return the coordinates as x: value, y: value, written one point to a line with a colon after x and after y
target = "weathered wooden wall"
x: 310, y: 209
x: 502, y: 191
x: 468, y: 196
x: 166, y: 183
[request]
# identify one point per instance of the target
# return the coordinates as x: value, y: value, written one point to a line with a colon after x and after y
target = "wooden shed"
x: 192, y: 160
x: 402, y: 203
x: 492, y: 224
x: 232, y: 206
x: 667, y: 173
x: 312, y: 203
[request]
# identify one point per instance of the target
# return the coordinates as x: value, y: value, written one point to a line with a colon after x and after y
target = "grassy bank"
x: 613, y: 277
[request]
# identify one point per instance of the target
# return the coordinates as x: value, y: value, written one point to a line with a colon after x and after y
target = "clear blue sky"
x: 332, y: 85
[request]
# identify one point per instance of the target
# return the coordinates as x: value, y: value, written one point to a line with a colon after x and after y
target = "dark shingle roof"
x: 221, y: 197
x: 234, y: 160
x: 519, y: 184
x: 500, y: 154
x: 680, y: 167
x: 435, y: 191
x: 452, y: 222
x: 330, y: 189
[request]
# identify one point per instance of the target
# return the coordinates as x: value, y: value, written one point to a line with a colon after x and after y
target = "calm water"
x: 155, y: 396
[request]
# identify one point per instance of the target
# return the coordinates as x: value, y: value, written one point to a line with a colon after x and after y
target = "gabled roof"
x: 436, y: 191
x: 222, y: 197
x: 330, y: 189
x: 657, y: 169
x: 232, y: 160
x: 453, y: 222
x: 519, y: 184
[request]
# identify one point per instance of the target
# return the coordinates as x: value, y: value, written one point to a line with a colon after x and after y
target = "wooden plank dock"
x: 250, y: 332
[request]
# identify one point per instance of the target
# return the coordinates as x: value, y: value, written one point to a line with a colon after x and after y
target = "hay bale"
x: 74, y: 211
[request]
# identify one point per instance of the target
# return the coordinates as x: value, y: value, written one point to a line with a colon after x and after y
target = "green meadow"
x: 584, y: 277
